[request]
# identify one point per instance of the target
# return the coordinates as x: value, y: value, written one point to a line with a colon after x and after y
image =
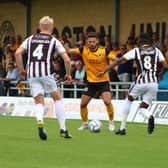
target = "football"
x: 95, y: 125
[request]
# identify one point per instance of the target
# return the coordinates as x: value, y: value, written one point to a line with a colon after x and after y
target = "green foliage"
x: 20, y: 146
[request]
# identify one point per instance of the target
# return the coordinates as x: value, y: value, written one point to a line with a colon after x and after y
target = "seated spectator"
x: 2, y: 76
x: 21, y: 85
x: 79, y: 77
x: 12, y: 75
x: 79, y: 73
x: 73, y: 69
x: 59, y: 71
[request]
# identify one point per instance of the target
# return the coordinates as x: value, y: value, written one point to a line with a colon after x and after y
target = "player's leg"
x: 106, y: 96
x: 39, y: 111
x: 143, y: 110
x: 87, y: 95
x: 132, y: 94
x: 37, y: 93
x: 148, y: 96
x: 125, y: 111
x: 85, y: 99
x: 60, y: 113
x: 50, y: 86
x: 104, y: 89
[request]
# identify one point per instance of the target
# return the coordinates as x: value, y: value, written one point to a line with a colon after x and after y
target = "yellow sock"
x: 84, y: 114
x: 110, y: 110
x: 40, y: 124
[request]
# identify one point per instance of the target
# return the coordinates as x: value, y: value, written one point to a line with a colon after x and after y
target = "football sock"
x: 144, y: 113
x: 39, y: 110
x: 84, y: 114
x: 110, y: 110
x: 60, y: 113
x: 40, y: 124
x: 125, y: 111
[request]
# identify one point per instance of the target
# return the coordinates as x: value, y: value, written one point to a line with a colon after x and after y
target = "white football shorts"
x: 147, y: 91
x: 42, y: 85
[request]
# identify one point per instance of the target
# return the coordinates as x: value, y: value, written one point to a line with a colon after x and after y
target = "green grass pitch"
x: 20, y: 146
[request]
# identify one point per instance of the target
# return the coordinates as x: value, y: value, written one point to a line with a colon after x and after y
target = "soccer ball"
x: 95, y: 125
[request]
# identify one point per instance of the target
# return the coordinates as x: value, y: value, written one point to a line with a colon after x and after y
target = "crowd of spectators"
x: 123, y: 73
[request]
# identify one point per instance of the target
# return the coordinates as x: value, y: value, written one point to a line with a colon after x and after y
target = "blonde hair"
x: 46, y: 22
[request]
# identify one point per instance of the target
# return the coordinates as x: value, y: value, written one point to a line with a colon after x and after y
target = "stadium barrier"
x: 23, y: 106
x: 117, y: 89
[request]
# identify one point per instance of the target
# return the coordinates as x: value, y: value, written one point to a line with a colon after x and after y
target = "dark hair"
x: 144, y: 38
x: 92, y: 34
x: 11, y: 63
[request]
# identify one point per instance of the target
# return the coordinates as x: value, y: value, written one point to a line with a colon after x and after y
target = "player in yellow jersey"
x: 95, y: 59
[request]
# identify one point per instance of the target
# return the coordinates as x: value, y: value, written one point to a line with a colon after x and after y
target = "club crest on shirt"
x: 100, y: 54
x: 86, y: 89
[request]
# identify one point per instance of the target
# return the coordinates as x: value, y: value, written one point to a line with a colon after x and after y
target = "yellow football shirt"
x: 94, y: 63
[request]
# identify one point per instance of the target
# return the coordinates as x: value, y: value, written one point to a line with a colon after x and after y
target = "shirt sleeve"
x: 130, y: 55
x: 160, y: 55
x: 59, y: 47
x: 77, y: 50
x: 24, y: 44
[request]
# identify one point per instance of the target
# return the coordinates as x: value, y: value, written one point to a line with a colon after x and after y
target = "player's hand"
x: 23, y: 74
x: 68, y: 79
x: 100, y: 74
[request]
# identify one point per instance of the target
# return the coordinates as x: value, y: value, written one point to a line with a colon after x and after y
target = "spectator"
x: 18, y: 41
x: 66, y: 41
x: 79, y: 76
x: 81, y: 41
x: 108, y: 43
x: 2, y: 76
x: 73, y: 69
x: 59, y: 72
x: 155, y: 40
x: 12, y: 75
x: 80, y: 72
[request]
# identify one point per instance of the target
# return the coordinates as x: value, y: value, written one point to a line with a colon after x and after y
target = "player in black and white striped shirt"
x: 41, y: 49
x: 147, y: 58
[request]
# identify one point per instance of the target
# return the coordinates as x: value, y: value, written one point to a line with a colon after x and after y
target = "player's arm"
x: 128, y: 56
x: 73, y: 50
x: 67, y: 63
x: 19, y: 62
x: 111, y: 66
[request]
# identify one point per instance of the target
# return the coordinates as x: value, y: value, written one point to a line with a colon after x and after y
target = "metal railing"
x: 73, y: 90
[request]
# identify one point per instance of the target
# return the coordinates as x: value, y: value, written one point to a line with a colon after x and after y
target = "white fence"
x: 74, y: 90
